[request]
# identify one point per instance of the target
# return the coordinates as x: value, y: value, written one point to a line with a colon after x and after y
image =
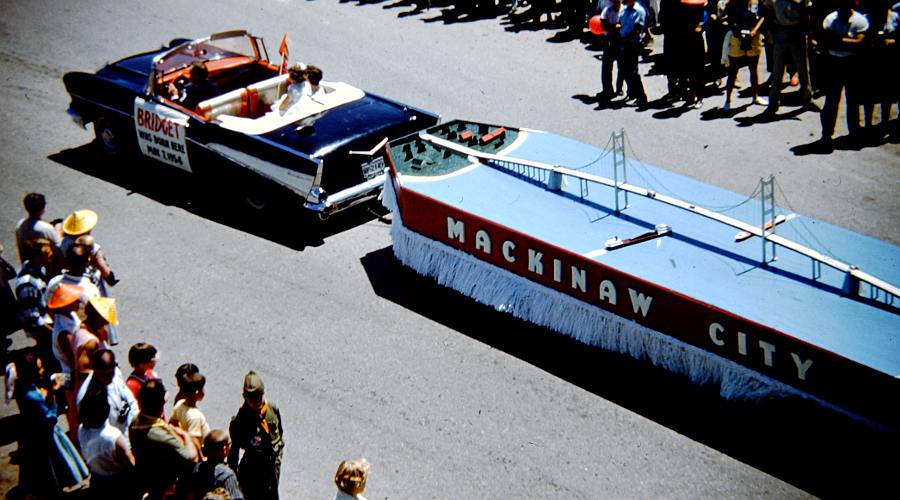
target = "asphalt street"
x: 445, y: 398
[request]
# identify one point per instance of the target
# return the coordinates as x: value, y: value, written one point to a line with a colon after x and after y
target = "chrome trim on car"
x: 353, y: 195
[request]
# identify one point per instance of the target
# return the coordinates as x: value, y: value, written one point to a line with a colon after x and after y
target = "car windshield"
x: 236, y: 45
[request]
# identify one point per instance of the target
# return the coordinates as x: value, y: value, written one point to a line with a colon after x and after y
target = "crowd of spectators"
x: 825, y: 48
x: 119, y: 442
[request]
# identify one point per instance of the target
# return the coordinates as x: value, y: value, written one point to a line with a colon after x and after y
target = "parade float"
x: 723, y: 288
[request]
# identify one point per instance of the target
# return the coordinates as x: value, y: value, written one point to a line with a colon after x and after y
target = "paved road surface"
x: 445, y: 398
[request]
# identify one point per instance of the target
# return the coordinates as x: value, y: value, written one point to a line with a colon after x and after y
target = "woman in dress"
x: 49, y: 463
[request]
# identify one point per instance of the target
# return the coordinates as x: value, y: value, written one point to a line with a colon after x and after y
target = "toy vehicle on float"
x: 322, y: 150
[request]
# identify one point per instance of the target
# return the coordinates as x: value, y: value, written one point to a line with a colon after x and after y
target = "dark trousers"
x: 842, y: 74
x: 611, y: 55
x: 631, y: 51
x: 790, y: 45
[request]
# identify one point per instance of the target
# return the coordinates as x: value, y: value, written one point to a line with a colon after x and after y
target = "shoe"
x: 697, y: 105
x: 795, y: 81
x: 823, y: 145
x: 727, y: 106
x: 760, y: 101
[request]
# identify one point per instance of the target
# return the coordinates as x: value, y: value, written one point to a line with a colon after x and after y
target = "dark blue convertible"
x: 323, y: 150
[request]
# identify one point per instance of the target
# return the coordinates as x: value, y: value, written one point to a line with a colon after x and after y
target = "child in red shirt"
x: 142, y: 357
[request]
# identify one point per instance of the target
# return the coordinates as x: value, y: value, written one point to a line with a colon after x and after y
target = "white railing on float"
x: 551, y: 175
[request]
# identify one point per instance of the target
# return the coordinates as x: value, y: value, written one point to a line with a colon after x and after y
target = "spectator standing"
x: 63, y: 305
x: 9, y: 309
x: 100, y: 314
x: 163, y: 453
x: 214, y: 472
x: 79, y: 224
x: 745, y: 45
x: 89, y: 336
x: 77, y: 228
x: 843, y: 35
x: 48, y: 462
x: 612, y: 53
x: 693, y: 51
x: 767, y: 12
x: 181, y: 374
x: 75, y: 273
x: 106, y: 379
x: 632, y: 18
x: 792, y: 25
x: 30, y: 285
x: 143, y: 358
x: 257, y: 430
x: 882, y: 49
x: 715, y: 29
x: 33, y: 226
x: 671, y: 21
x: 106, y: 451
x: 350, y: 479
x: 186, y: 414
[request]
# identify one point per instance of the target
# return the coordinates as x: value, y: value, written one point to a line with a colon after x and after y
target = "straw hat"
x: 64, y: 295
x: 80, y: 222
x: 106, y: 308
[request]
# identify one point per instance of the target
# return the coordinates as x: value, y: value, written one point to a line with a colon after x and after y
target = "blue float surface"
x: 701, y: 258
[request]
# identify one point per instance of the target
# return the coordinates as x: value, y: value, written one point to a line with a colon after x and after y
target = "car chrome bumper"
x: 349, y: 197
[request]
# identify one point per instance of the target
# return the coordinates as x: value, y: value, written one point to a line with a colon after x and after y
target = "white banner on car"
x: 161, y: 133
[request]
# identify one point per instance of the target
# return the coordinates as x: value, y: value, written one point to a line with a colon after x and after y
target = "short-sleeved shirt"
x: 159, y: 454
x: 123, y: 407
x: 190, y: 419
x: 632, y: 19
x: 856, y: 24
x: 610, y: 14
x: 29, y: 229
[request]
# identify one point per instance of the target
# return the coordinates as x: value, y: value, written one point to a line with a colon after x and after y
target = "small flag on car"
x: 283, y: 50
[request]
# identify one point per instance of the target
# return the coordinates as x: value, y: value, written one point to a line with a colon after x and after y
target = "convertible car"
x: 323, y: 149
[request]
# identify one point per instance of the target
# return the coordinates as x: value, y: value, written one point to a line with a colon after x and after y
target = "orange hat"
x: 64, y: 295
x: 80, y: 222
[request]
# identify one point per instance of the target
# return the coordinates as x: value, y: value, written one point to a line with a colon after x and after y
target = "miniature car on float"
x: 323, y: 151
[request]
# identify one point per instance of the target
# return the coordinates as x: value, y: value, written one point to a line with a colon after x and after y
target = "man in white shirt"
x: 123, y: 407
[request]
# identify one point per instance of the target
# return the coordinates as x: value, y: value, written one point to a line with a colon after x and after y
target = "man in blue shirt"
x: 632, y: 18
